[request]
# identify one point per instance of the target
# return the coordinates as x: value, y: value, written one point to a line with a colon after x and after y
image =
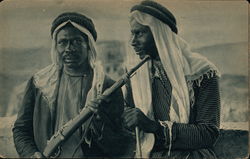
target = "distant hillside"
x: 17, y: 66
x: 23, y: 60
x: 230, y: 58
x: 234, y: 98
x: 239, y: 81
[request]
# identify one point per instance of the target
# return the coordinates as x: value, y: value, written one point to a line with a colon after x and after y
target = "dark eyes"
x: 75, y: 42
x: 62, y: 42
x: 138, y: 33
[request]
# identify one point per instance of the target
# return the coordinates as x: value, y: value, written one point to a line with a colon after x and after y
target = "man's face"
x: 72, y: 47
x: 142, y: 40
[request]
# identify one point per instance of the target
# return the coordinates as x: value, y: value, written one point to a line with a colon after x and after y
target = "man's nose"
x: 69, y: 47
x: 133, y: 40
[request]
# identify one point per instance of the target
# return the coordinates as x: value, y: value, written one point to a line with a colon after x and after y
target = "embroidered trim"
x: 168, y: 125
x: 208, y: 69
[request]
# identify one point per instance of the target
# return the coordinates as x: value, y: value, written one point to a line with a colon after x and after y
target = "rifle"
x: 71, y: 126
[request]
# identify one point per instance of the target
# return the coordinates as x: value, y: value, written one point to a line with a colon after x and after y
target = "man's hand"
x: 135, y: 117
x: 96, y: 105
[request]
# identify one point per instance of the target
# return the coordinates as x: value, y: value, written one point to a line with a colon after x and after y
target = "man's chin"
x: 141, y: 56
x: 70, y: 65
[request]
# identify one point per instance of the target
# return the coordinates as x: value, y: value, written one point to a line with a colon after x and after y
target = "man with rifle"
x: 57, y: 93
x: 176, y: 95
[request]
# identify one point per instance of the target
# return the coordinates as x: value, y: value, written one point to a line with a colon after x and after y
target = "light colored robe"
x: 72, y: 95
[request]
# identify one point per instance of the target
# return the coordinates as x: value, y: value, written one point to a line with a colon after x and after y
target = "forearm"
x: 190, y: 136
x: 24, y: 142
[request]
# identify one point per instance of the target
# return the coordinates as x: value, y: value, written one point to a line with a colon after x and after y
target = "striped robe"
x: 192, y: 140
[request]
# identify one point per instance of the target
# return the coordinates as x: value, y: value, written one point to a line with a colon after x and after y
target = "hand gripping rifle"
x: 70, y: 127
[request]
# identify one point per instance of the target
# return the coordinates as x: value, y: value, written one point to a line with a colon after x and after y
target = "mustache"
x: 70, y: 56
x: 71, y: 53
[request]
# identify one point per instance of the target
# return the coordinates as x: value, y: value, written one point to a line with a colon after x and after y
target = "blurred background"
x: 217, y: 30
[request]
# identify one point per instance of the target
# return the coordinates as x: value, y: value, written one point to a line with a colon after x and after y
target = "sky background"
x: 201, y: 23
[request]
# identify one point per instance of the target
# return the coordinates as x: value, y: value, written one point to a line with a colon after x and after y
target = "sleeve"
x: 23, y: 126
x: 204, y: 130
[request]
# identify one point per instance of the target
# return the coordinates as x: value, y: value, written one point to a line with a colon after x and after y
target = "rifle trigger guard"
x: 57, y: 153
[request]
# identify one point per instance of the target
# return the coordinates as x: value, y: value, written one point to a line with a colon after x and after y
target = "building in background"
x: 111, y: 55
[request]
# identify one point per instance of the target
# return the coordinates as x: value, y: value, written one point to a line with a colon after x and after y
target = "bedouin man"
x: 176, y: 95
x: 57, y: 93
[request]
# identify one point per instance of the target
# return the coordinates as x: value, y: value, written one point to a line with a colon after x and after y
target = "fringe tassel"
x: 168, y: 125
x: 209, y: 74
x: 191, y: 93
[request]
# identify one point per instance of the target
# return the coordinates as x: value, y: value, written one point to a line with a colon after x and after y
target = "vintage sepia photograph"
x: 124, y: 79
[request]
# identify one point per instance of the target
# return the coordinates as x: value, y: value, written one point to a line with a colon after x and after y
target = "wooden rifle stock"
x: 71, y: 126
